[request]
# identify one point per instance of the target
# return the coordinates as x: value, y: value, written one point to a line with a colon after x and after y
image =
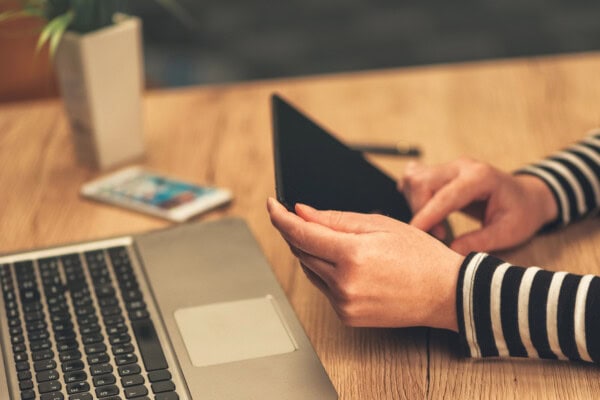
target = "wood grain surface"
x: 506, y: 112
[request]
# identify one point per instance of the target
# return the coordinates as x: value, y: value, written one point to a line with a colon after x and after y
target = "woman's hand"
x: 511, y: 208
x: 375, y: 271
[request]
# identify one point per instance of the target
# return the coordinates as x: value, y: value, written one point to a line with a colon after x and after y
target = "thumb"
x: 343, y: 221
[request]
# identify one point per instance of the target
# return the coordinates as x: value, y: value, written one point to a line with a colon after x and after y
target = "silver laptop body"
x: 203, y: 293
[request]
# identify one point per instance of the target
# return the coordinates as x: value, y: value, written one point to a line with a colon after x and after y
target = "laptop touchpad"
x: 239, y: 330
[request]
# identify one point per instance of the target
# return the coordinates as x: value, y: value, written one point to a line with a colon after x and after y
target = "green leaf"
x: 65, y: 21
x: 54, y: 31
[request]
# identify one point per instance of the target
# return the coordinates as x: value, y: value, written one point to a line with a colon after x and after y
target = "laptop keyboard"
x: 80, y: 329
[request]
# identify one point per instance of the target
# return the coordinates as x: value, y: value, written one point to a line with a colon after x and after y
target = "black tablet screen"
x: 314, y: 168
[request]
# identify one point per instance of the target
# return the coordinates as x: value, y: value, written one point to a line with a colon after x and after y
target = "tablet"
x: 315, y: 168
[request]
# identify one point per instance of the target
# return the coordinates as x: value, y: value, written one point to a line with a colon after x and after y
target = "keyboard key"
x: 27, y: 395
x: 34, y: 316
x: 110, y: 311
x: 45, y: 376
x: 105, y: 291
x: 44, y: 365
x: 95, y: 348
x: 31, y: 307
x: 89, y: 329
x: 71, y: 366
x: 64, y: 335
x: 22, y: 366
x: 126, y: 370
x: 36, y: 326
x: 12, y: 305
x: 52, y: 396
x: 113, y: 320
x: 136, y: 305
x: 108, y: 302
x: 92, y: 338
x: 17, y: 339
x: 157, y: 376
x: 75, y: 376
x: 125, y: 359
x: 165, y: 386
x: 26, y: 385
x: 116, y: 329
x: 39, y: 335
x: 19, y: 348
x: 81, y: 396
x: 100, y: 369
x: 132, y: 380
x: 42, y: 355
x: 84, y: 311
x: 22, y: 356
x: 103, y: 380
x: 70, y: 355
x: 135, y: 391
x: 149, y: 346
x: 122, y: 349
x: 60, y: 317
x: 131, y: 295
x: 119, y: 339
x: 13, y: 313
x: 16, y: 330
x: 50, y: 386
x: 87, y: 319
x: 99, y: 358
x: 167, y: 396
x: 24, y: 375
x: 78, y: 387
x: 66, y: 345
x: 106, y: 391
x: 40, y: 345
x: 9, y: 295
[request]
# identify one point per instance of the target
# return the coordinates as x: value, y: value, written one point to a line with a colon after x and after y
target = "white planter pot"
x: 101, y: 81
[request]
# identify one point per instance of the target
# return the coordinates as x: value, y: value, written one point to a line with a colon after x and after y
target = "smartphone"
x: 141, y: 190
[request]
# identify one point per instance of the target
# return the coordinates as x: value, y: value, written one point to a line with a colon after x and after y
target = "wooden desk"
x: 508, y: 112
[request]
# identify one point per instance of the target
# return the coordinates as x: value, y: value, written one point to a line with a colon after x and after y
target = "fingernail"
x: 270, y: 203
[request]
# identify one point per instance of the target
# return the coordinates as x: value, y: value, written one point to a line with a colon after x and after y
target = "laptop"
x: 189, y: 312
x: 313, y: 167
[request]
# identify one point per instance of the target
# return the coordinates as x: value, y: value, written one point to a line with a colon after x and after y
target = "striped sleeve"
x: 573, y: 176
x: 505, y: 310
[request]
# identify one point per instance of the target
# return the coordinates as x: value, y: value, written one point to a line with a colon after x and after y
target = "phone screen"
x: 156, y: 191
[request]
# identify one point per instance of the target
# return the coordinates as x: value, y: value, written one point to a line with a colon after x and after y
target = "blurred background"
x: 205, y: 42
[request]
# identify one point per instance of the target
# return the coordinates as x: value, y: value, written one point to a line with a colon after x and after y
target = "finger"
x: 344, y: 221
x: 421, y: 184
x: 410, y: 168
x: 323, y: 269
x: 456, y: 195
x: 490, y: 237
x: 309, y: 237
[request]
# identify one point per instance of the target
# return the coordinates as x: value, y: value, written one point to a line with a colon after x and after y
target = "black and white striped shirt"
x: 507, y: 310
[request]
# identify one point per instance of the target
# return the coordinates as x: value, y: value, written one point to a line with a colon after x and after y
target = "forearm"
x: 506, y: 310
x: 573, y: 176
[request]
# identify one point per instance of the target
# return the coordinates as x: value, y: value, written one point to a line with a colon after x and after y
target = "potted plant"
x: 97, y: 55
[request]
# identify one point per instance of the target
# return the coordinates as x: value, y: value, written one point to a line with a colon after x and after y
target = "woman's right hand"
x: 511, y: 208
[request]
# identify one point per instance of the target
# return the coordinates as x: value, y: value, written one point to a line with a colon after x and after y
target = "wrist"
x: 540, y: 198
x: 443, y: 311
